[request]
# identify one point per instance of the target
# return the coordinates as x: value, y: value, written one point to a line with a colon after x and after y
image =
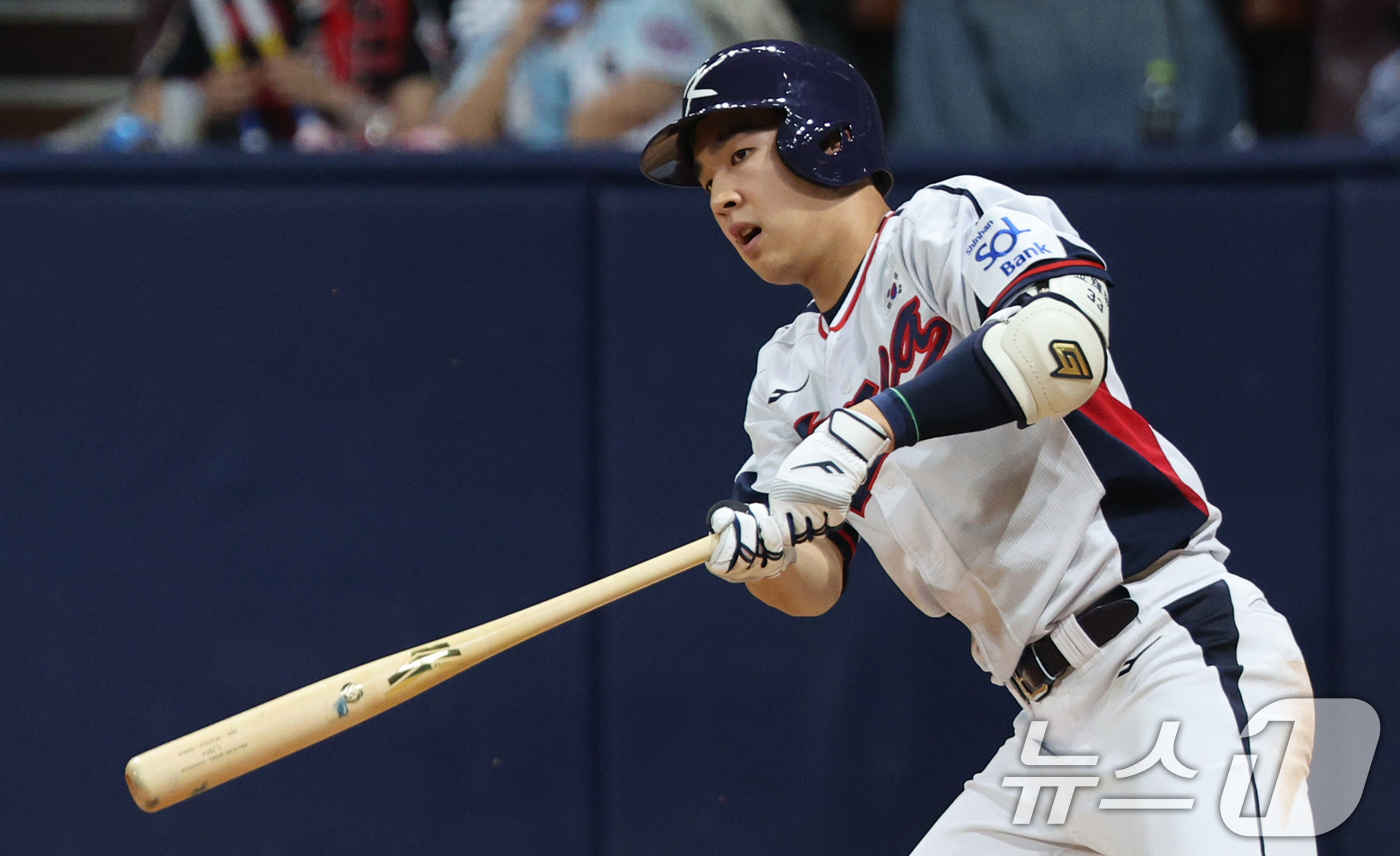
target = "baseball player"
x: 950, y: 398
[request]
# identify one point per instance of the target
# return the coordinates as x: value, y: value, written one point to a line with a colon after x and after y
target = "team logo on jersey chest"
x: 1070, y: 362
x: 914, y: 346
x: 912, y: 341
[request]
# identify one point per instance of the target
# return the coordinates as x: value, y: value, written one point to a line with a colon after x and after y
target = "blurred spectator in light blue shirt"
x: 552, y: 73
x: 978, y: 73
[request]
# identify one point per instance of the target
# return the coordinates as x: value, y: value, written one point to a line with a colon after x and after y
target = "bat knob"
x: 140, y: 792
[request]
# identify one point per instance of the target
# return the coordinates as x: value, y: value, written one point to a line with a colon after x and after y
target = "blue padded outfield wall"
x: 267, y: 419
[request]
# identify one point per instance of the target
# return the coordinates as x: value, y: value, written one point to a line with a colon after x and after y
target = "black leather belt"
x: 1042, y: 663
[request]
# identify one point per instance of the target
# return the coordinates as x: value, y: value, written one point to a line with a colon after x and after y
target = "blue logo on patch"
x: 1002, y: 243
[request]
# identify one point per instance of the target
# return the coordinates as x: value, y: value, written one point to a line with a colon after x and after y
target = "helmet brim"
x: 667, y: 157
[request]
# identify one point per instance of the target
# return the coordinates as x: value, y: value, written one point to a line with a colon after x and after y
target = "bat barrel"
x: 204, y: 759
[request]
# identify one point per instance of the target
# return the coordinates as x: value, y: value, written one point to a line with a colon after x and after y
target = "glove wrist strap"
x: 861, y: 434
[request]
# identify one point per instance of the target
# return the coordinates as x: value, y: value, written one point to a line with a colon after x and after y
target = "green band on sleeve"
x: 905, y: 402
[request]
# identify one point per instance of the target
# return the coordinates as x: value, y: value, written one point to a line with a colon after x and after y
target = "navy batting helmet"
x: 831, y: 132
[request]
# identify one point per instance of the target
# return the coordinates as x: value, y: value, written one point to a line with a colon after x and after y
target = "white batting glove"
x: 812, y: 490
x: 750, y: 543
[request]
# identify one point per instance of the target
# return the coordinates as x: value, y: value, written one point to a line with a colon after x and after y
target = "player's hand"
x: 812, y: 490
x: 229, y: 91
x: 750, y: 543
x: 298, y: 80
x: 534, y: 15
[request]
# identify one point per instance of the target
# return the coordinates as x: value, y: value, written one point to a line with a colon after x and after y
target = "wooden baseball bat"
x: 207, y: 758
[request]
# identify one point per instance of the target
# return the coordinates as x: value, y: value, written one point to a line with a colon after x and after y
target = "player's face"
x: 770, y: 215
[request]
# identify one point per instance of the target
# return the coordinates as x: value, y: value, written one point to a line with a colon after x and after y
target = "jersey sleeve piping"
x: 960, y: 191
x: 1043, y: 271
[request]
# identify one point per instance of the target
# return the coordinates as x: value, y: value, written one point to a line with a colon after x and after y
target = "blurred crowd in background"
x: 438, y: 75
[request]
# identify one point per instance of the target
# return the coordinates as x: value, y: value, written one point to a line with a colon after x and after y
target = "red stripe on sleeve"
x: 1130, y: 428
x: 1040, y: 269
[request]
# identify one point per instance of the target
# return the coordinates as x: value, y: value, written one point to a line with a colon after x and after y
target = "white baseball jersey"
x: 1008, y: 529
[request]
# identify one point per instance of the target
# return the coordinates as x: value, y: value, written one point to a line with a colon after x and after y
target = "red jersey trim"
x: 1039, y: 269
x: 1130, y: 428
x: 865, y: 270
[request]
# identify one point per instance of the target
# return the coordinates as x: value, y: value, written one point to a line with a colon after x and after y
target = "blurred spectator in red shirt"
x: 359, y: 65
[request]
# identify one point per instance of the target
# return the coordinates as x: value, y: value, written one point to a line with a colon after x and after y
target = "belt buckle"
x: 1032, y: 692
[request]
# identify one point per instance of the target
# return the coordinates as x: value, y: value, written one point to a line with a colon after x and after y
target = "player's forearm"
x: 955, y: 395
x: 809, y: 586
x: 631, y: 103
x: 347, y: 106
x: 148, y: 100
x: 477, y: 119
x: 412, y: 101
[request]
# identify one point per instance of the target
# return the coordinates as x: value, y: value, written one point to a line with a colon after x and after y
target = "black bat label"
x: 424, y: 659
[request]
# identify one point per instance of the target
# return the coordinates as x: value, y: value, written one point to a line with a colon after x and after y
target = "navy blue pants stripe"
x: 1208, y: 615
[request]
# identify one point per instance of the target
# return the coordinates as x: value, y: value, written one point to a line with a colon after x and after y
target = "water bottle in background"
x: 181, y: 126
x: 1159, y: 114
